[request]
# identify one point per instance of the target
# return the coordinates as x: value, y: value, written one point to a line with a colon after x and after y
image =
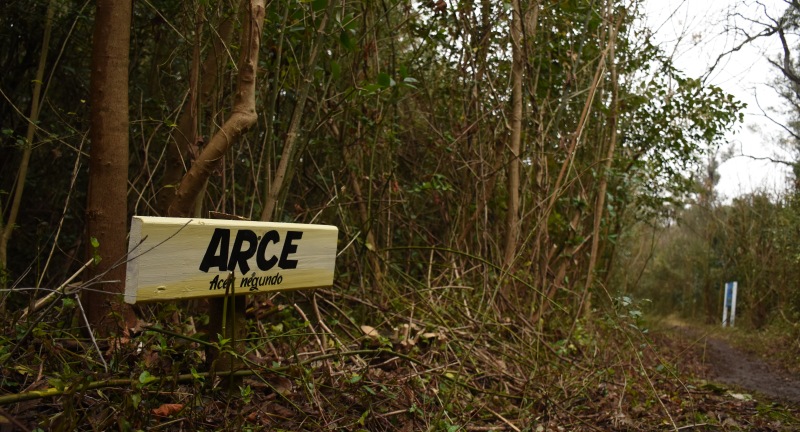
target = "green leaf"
x: 196, y: 375
x: 145, y: 378
x: 346, y: 40
x: 349, y: 22
x: 363, y: 417
x: 246, y: 393
x: 318, y: 5
x: 384, y: 80
x: 371, y: 88
x: 57, y: 383
x: 95, y: 256
x: 336, y: 70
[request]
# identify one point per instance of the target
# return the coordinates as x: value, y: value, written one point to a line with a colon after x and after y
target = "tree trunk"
x: 107, y: 208
x: 243, y: 116
x: 512, y: 217
x: 600, y: 199
x: 287, y: 154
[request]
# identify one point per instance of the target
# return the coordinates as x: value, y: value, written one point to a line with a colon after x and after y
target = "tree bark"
x: 600, y: 200
x: 107, y: 208
x: 512, y: 215
x: 243, y: 116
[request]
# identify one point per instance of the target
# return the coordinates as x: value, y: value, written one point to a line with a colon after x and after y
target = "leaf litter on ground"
x: 357, y: 366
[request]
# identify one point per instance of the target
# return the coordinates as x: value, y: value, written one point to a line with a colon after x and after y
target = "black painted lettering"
x: 214, y: 282
x: 265, y: 264
x: 289, y: 248
x: 219, y: 242
x: 239, y: 257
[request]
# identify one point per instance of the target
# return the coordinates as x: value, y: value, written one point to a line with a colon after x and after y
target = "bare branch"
x: 769, y: 31
x: 765, y: 158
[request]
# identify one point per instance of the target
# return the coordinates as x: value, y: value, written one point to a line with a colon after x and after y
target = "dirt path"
x: 732, y: 366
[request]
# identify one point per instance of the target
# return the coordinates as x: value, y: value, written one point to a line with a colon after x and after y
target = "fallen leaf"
x: 281, y: 385
x: 166, y: 410
x: 730, y: 422
x: 741, y: 396
x: 277, y: 410
x: 150, y: 359
x: 370, y: 331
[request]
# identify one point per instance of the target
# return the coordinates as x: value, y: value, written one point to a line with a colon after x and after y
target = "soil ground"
x: 748, y: 371
x: 732, y: 366
x: 734, y: 380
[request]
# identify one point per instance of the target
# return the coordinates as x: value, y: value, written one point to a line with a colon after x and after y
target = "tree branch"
x: 242, y: 118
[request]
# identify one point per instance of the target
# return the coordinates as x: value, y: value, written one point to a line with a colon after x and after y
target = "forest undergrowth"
x: 405, y: 358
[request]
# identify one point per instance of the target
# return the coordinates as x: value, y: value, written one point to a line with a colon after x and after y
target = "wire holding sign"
x: 729, y: 303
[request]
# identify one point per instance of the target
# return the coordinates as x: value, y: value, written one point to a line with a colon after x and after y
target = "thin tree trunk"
x: 7, y: 229
x: 243, y: 116
x: 294, y: 124
x: 107, y: 204
x: 512, y: 215
x: 545, y: 254
x: 600, y: 201
x: 270, y: 113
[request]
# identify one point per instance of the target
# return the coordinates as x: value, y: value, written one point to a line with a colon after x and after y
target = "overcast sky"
x: 695, y: 31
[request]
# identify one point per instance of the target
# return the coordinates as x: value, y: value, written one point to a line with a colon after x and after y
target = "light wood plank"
x: 178, y: 258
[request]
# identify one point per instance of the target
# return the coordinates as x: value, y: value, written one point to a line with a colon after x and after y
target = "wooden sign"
x: 177, y: 258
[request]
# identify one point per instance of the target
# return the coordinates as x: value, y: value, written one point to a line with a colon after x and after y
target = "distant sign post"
x: 177, y: 258
x: 729, y: 303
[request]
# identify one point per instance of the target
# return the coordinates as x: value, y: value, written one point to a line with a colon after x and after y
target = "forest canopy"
x: 531, y: 142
